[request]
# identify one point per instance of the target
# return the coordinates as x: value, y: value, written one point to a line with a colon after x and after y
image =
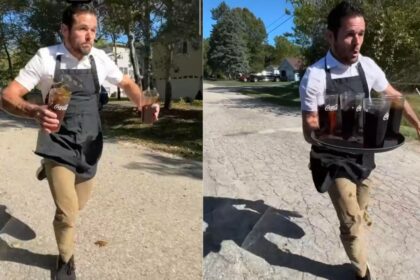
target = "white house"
x: 186, y: 71
x: 290, y: 69
x: 123, y: 62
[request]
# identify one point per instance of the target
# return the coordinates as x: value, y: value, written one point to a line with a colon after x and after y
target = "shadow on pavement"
x: 9, y: 121
x: 19, y: 230
x: 247, y: 222
x: 162, y: 165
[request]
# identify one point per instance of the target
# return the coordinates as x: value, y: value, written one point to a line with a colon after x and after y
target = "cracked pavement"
x: 146, y: 206
x: 263, y: 218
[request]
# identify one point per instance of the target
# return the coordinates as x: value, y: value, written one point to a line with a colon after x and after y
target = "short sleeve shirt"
x: 39, y: 71
x: 314, y: 82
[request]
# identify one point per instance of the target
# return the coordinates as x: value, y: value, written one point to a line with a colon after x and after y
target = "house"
x: 186, y: 71
x: 122, y: 53
x: 290, y: 69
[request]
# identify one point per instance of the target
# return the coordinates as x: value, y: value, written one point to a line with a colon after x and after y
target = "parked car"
x: 267, y: 78
x: 244, y: 78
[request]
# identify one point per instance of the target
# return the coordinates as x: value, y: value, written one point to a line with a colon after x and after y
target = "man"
x: 343, y: 69
x: 70, y: 156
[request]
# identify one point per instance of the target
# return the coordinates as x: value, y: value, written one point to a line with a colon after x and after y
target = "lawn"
x: 178, y: 131
x: 406, y: 129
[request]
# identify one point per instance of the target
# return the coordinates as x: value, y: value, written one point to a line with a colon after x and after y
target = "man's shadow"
x: 17, y: 229
x: 247, y: 222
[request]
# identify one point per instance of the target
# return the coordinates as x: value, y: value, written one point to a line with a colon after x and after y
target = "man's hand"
x: 13, y: 103
x: 309, y: 124
x: 156, y: 108
x: 46, y: 118
x: 409, y: 113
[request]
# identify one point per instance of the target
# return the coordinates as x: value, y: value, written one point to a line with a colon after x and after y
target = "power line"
x: 279, y: 18
x: 279, y: 24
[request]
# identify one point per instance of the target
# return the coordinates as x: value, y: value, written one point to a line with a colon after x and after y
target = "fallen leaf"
x: 101, y: 243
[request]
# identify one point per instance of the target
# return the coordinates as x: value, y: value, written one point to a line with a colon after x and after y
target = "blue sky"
x: 271, y: 12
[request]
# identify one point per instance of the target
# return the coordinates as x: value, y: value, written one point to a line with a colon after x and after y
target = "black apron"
x: 78, y: 144
x: 326, y: 164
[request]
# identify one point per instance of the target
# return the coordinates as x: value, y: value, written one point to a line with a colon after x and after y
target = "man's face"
x: 81, y: 36
x: 348, y: 42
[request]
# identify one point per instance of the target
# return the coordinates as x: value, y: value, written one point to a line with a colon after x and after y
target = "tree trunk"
x: 168, y: 85
x: 114, y: 39
x: 147, y: 45
x: 9, y: 59
x: 133, y: 58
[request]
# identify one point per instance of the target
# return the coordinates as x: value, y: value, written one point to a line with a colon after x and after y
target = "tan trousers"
x: 70, y: 195
x: 350, y: 203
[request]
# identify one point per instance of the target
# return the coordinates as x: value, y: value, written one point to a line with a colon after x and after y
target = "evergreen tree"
x: 255, y: 36
x: 227, y: 45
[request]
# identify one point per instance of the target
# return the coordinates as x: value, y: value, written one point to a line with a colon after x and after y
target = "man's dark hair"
x: 342, y: 10
x: 73, y: 9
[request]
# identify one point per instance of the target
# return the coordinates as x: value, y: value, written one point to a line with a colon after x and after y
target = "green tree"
x: 255, y: 35
x: 228, y: 54
x: 206, y: 68
x: 11, y: 29
x: 284, y: 48
x: 392, y: 38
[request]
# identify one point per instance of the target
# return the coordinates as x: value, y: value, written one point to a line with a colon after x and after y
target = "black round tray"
x: 356, y: 146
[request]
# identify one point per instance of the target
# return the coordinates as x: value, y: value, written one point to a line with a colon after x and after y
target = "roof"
x: 295, y: 62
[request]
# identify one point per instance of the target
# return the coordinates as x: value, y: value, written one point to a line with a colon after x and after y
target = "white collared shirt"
x: 314, y: 82
x: 39, y: 71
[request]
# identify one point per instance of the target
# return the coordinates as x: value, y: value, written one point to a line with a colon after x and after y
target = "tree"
x: 10, y: 29
x: 228, y: 53
x: 206, y: 68
x: 284, y: 48
x: 255, y: 35
x: 392, y: 38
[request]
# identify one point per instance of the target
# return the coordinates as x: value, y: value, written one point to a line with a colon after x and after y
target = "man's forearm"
x: 133, y: 91
x: 410, y: 115
x: 309, y: 124
x: 18, y: 107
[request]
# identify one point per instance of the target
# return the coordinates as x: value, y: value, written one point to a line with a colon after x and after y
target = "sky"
x: 271, y: 12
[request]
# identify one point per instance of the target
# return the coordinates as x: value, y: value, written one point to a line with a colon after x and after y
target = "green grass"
x: 406, y: 129
x: 282, y: 93
x: 178, y: 131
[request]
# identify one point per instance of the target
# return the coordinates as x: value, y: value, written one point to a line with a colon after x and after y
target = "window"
x: 124, y: 70
x: 181, y: 47
x: 185, y: 47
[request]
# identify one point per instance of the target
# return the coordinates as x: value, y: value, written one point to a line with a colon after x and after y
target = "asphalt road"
x: 263, y: 218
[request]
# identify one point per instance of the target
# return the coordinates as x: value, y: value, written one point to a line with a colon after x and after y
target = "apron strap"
x: 57, y: 68
x: 95, y: 74
x: 363, y: 78
x: 330, y: 84
x: 56, y: 78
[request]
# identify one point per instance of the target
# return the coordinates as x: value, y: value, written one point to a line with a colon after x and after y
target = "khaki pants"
x: 350, y: 203
x: 70, y: 195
